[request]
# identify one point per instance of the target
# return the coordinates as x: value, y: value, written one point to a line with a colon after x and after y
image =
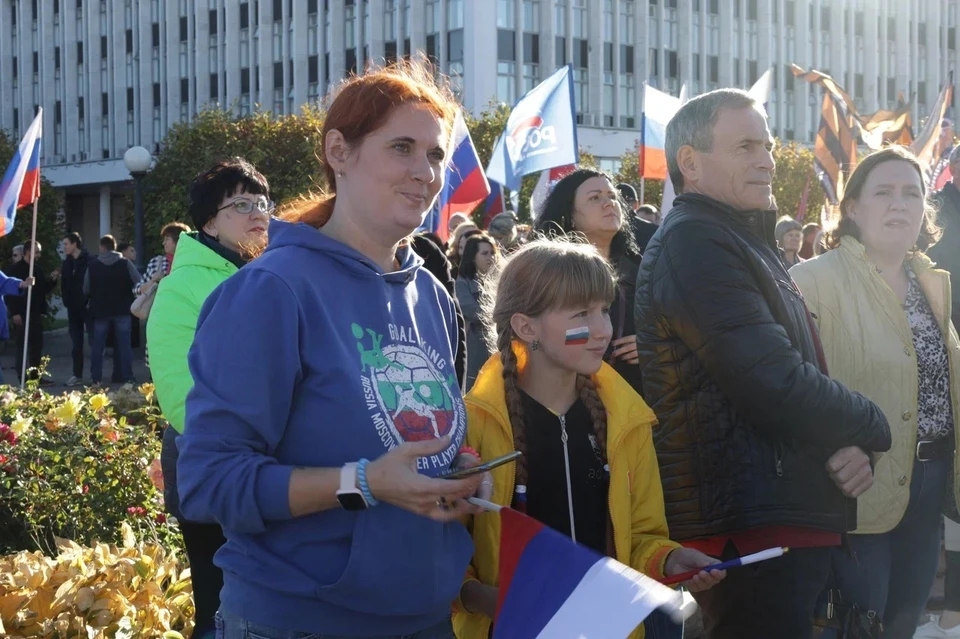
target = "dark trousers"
x: 892, y: 573
x: 35, y: 349
x: 202, y: 541
x: 123, y: 354
x: 79, y: 326
x: 775, y: 598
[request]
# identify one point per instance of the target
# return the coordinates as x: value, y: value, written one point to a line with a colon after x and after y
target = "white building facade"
x: 111, y: 74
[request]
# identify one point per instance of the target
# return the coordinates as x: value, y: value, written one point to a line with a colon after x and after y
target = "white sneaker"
x: 74, y: 381
x: 932, y: 630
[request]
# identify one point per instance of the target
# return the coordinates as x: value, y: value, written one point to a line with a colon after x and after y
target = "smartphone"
x: 484, y: 467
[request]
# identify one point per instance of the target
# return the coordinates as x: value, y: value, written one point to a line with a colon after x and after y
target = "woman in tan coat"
x: 884, y: 316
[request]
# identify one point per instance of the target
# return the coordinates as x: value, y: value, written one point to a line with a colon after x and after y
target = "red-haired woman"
x: 325, y: 405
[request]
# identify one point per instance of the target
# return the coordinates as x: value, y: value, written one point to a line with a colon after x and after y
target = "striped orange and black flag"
x: 835, y: 149
x: 925, y: 146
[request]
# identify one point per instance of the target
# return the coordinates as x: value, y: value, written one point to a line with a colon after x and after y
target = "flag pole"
x: 643, y: 184
x: 26, y: 316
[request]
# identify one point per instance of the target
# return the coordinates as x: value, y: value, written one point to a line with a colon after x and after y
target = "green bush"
x: 77, y: 466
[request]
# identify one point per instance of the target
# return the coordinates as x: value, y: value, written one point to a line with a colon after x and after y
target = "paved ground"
x: 56, y: 344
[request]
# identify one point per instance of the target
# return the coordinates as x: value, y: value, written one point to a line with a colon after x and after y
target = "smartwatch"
x: 349, y: 494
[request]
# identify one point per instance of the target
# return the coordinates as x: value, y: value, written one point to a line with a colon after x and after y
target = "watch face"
x: 352, y: 501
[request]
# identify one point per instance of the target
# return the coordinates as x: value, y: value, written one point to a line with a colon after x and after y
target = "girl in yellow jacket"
x: 589, y: 469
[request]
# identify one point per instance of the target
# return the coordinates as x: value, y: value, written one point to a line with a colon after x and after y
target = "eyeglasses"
x: 243, y: 206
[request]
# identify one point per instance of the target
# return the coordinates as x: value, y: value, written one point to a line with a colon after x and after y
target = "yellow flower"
x: 67, y: 411
x: 99, y: 401
x: 147, y: 390
x: 21, y: 424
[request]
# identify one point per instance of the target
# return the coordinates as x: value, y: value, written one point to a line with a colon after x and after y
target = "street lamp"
x: 138, y: 160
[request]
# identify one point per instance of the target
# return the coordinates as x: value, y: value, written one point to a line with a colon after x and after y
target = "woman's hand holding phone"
x: 467, y: 460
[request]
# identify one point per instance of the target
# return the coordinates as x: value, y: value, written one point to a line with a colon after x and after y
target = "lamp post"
x: 138, y: 160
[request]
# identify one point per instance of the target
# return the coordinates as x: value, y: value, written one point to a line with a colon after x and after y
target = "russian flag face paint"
x: 577, y: 336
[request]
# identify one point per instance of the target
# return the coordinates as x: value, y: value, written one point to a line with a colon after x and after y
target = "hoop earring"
x: 535, y: 345
x: 340, y: 174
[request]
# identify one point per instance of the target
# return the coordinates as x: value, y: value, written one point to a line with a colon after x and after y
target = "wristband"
x: 362, y: 481
x: 467, y: 450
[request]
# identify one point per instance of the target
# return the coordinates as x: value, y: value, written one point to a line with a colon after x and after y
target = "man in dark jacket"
x: 71, y: 290
x: 757, y: 446
x: 108, y: 285
x: 643, y: 229
x: 38, y: 308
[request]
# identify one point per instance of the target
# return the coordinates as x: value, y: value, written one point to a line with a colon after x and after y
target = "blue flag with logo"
x: 541, y: 132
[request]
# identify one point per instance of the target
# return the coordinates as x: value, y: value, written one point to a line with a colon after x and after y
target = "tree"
x: 50, y: 226
x: 794, y: 165
x: 484, y: 131
x: 286, y: 149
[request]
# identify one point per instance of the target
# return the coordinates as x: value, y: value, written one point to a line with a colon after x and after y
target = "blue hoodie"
x: 312, y: 356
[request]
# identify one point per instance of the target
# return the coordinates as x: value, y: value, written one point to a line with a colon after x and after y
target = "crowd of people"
x: 684, y: 389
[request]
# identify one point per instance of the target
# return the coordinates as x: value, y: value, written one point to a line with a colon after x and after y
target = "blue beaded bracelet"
x: 362, y: 480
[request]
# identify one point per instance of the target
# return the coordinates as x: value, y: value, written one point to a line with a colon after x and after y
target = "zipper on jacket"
x: 778, y: 453
x: 566, y: 463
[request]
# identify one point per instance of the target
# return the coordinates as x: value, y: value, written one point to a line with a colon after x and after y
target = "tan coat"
x: 869, y: 348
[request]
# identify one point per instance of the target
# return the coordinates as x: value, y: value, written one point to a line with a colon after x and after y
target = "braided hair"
x: 543, y: 276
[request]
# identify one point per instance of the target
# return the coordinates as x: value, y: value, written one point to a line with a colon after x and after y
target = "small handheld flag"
x: 763, y: 555
x: 553, y: 588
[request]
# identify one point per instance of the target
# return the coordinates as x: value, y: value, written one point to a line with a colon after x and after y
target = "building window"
x: 184, y: 90
x: 130, y: 99
x: 104, y: 104
x: 389, y: 20
x: 628, y: 101
x: 531, y: 15
x: 506, y: 14
x: 580, y: 19
x: 56, y: 57
x: 245, y: 14
x: 506, y: 66
x: 129, y: 40
x: 454, y: 14
x: 214, y: 86
x: 531, y: 60
x: 560, y: 18
x: 103, y: 47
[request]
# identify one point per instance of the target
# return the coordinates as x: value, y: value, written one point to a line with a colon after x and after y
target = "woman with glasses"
x: 230, y: 207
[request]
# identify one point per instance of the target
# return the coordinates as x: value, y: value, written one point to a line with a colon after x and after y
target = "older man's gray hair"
x: 693, y: 125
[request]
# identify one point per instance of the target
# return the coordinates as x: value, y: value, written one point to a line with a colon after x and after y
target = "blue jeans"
x: 231, y: 626
x: 121, y: 327
x: 893, y: 573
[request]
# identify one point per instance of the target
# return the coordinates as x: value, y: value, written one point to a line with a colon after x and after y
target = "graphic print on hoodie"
x: 406, y: 386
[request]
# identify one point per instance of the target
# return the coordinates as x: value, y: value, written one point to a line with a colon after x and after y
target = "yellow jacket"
x: 635, y: 497
x: 868, y: 344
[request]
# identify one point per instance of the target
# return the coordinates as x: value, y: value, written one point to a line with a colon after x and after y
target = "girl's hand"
x: 393, y: 478
x: 466, y: 460
x: 479, y: 599
x: 625, y: 349
x: 686, y: 559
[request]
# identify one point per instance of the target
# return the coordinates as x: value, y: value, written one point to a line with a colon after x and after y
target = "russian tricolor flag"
x: 494, y: 205
x: 464, y: 184
x: 21, y: 182
x: 658, y: 109
x: 552, y: 588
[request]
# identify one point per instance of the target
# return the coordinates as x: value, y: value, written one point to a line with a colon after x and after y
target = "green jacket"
x: 172, y: 323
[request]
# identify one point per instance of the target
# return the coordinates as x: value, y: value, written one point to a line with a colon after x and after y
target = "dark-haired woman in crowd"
x: 230, y: 206
x: 586, y: 203
x: 479, y: 257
